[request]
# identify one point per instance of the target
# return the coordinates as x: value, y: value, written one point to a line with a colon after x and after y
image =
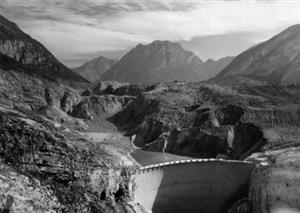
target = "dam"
x: 199, y: 185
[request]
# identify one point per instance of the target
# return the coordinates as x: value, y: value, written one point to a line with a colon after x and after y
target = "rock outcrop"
x: 275, y: 186
x: 119, y: 89
x: 69, y: 175
x: 100, y: 105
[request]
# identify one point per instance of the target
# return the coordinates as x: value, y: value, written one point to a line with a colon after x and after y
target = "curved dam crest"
x: 199, y: 185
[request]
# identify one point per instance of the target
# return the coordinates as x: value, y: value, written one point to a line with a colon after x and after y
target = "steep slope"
x: 214, y: 67
x: 93, y: 69
x: 19, y: 46
x: 156, y: 62
x: 48, y: 162
x: 276, y: 61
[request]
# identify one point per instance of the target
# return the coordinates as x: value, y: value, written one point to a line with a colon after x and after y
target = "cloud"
x: 74, y: 27
x: 218, y: 46
x: 209, y: 18
x: 67, y: 39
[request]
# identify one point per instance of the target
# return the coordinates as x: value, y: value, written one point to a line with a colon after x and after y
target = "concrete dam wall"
x: 204, y: 185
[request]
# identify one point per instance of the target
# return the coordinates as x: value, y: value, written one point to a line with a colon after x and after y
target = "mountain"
x: 276, y: 61
x: 30, y: 53
x: 213, y: 67
x: 156, y: 62
x: 93, y: 69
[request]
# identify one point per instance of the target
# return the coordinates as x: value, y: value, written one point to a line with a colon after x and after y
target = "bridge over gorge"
x: 202, y: 185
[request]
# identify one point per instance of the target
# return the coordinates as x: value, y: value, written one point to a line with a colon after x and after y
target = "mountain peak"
x: 165, y: 50
x: 101, y: 57
x: 93, y: 69
x: 164, y: 43
x: 156, y: 62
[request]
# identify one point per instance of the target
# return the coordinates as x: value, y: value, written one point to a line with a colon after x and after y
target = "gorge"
x: 230, y: 144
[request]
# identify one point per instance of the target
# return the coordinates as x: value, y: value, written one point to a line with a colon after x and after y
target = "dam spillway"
x: 202, y: 185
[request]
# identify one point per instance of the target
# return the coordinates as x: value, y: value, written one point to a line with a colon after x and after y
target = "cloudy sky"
x: 79, y: 30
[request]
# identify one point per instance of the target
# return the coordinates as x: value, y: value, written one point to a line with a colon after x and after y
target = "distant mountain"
x: 213, y: 67
x: 276, y: 61
x: 156, y: 62
x: 92, y: 70
x: 24, y: 50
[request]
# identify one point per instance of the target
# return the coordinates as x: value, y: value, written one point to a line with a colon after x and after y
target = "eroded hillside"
x: 204, y: 120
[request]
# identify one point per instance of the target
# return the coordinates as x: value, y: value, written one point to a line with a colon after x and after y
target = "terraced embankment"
x: 202, y: 185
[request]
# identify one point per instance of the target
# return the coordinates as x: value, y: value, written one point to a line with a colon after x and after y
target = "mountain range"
x: 68, y: 147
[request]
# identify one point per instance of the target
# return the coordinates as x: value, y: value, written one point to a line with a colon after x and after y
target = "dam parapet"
x: 179, y: 162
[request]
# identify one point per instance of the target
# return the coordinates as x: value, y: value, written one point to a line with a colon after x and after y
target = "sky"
x: 76, y: 31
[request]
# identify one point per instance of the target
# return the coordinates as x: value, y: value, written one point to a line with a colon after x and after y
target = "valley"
x: 157, y: 131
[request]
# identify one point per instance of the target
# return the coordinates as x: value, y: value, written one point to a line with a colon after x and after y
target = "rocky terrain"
x: 275, y: 61
x: 93, y: 69
x: 162, y: 61
x: 275, y: 187
x: 48, y: 162
x: 57, y: 155
x: 207, y: 120
x: 65, y: 144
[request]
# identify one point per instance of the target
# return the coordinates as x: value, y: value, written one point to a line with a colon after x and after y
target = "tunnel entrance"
x: 205, y: 186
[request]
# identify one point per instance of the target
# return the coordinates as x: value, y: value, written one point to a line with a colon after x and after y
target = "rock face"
x: 20, y: 193
x: 275, y: 188
x: 275, y: 61
x: 99, y: 105
x: 23, y: 49
x: 93, y: 70
x: 68, y: 176
x: 156, y: 62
